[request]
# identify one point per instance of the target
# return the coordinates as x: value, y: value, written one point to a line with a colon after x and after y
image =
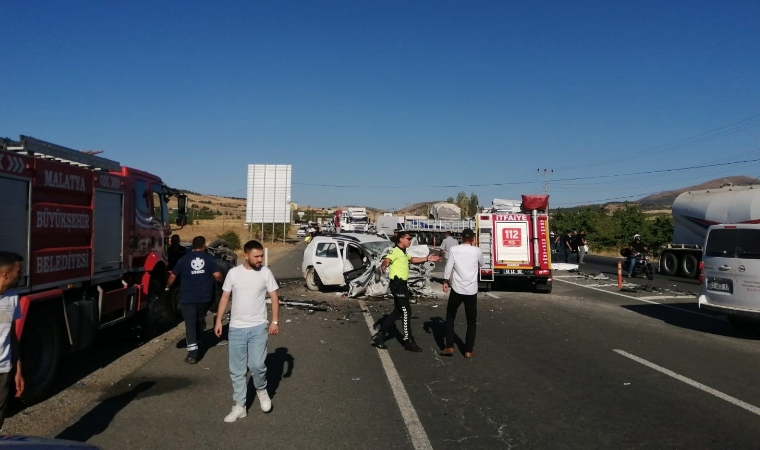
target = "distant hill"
x: 666, y: 198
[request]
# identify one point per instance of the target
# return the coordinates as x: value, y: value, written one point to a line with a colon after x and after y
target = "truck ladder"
x: 35, y: 147
x: 485, y: 242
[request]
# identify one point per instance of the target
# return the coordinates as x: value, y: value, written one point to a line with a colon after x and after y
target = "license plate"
x: 720, y: 285
x: 512, y: 272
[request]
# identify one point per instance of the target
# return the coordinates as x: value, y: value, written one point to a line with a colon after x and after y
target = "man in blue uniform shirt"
x: 199, y: 272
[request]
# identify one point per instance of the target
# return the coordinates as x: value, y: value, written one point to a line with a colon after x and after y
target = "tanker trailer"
x: 693, y: 212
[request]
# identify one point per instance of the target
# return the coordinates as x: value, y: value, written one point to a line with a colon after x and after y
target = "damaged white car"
x: 338, y: 259
x: 354, y: 260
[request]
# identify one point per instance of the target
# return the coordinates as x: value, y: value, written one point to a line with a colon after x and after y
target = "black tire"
x: 669, y: 263
x: 313, y: 282
x: 542, y: 286
x: 649, y: 272
x: 41, y: 354
x: 690, y: 266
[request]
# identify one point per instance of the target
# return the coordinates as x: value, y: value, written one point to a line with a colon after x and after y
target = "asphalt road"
x: 585, y: 367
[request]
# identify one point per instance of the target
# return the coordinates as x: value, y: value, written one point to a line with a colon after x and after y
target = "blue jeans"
x: 248, y: 351
x: 632, y: 265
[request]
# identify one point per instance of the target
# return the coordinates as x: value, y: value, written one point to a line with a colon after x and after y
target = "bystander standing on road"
x: 248, y: 285
x: 446, y: 245
x: 10, y: 274
x: 567, y: 245
x: 197, y: 272
x: 581, y: 242
x: 397, y: 263
x: 461, y: 274
x: 176, y: 251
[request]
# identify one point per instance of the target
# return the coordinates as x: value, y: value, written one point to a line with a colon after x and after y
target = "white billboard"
x: 268, y: 198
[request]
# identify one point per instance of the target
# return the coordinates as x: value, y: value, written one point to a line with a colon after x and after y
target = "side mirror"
x: 181, y: 220
x: 182, y: 204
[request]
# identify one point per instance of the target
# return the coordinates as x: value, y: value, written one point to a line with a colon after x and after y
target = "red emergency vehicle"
x: 515, y: 243
x: 93, y: 235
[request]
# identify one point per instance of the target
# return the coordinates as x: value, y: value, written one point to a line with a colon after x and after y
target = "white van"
x: 730, y: 272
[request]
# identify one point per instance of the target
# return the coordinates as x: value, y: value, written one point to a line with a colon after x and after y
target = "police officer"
x: 198, y: 272
x: 397, y: 264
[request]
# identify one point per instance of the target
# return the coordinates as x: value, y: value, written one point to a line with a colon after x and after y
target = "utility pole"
x: 546, y: 173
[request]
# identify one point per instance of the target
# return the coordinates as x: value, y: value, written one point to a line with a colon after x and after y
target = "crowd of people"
x: 568, y: 244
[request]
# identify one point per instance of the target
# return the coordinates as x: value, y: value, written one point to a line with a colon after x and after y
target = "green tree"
x: 450, y: 200
x: 472, y: 205
x: 232, y: 238
x: 462, y: 201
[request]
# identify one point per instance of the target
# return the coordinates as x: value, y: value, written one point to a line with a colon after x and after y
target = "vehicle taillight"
x: 701, y: 272
x: 542, y: 272
x: 486, y: 271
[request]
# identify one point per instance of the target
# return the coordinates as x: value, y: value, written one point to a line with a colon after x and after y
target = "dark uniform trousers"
x: 400, y: 291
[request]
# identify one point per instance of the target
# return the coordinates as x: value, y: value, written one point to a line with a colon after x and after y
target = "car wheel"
x: 313, y: 282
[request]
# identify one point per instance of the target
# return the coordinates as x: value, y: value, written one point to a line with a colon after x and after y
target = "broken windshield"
x: 376, y: 248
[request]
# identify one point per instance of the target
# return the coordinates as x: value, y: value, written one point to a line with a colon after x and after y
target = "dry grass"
x: 234, y: 221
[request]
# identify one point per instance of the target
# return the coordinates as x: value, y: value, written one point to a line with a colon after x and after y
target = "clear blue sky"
x: 402, y: 101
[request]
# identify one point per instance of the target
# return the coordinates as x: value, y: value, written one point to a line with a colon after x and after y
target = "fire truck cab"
x: 93, y: 235
x: 514, y: 237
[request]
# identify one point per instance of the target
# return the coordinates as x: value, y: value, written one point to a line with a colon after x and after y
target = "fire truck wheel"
x: 543, y: 287
x: 41, y: 353
x: 312, y: 280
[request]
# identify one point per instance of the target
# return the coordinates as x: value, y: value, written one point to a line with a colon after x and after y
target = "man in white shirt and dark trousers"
x: 447, y: 244
x: 461, y: 275
x: 248, y: 284
x: 10, y: 273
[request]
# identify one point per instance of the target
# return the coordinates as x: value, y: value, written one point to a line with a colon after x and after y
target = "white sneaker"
x: 264, y: 401
x: 238, y: 412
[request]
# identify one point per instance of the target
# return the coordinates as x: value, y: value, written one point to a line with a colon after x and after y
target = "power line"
x: 725, y: 130
x: 514, y: 183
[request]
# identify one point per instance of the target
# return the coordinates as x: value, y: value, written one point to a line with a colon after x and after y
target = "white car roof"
x: 352, y: 237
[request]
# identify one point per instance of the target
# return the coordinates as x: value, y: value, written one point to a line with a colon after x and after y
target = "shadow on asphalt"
x: 98, y: 418
x: 111, y: 344
x: 702, y: 324
x: 437, y: 326
x: 276, y: 371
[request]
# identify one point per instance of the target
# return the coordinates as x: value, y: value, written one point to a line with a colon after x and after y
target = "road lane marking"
x: 416, y: 431
x: 664, y: 297
x: 744, y: 405
x: 488, y: 294
x: 644, y: 299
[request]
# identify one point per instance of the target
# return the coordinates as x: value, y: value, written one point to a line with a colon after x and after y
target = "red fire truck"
x: 515, y: 242
x: 93, y: 235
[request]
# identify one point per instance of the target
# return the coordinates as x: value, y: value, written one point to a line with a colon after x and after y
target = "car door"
x: 328, y: 262
x: 357, y: 261
x: 745, y: 269
x: 720, y: 266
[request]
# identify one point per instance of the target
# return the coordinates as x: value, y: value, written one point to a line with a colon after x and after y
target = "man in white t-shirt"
x: 461, y: 273
x: 249, y: 284
x: 10, y: 273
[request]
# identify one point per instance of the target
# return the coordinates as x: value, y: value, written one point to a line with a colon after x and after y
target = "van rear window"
x: 721, y: 243
x: 733, y: 243
x: 748, y: 244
